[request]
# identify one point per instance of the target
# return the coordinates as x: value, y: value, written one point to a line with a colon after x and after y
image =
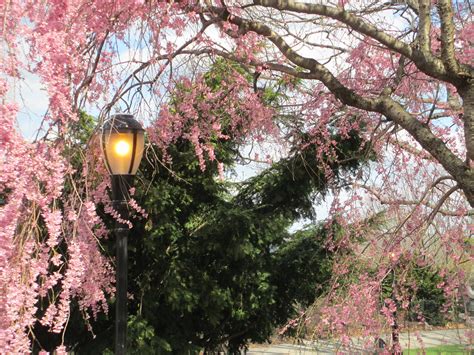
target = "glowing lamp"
x: 122, y: 141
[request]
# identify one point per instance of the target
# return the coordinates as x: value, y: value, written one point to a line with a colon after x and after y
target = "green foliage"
x: 79, y: 136
x: 84, y: 128
x: 289, y: 186
x: 305, y: 251
x: 143, y: 339
x: 441, y: 350
x: 213, y: 265
x: 222, y: 70
x: 201, y: 263
x: 209, y: 268
x: 427, y: 298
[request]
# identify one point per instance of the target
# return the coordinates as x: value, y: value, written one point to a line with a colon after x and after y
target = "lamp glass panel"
x: 138, y: 151
x: 118, y: 150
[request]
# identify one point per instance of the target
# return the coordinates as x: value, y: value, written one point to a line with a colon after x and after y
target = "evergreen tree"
x: 213, y: 264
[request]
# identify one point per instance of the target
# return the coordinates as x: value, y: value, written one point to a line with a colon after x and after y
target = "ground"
x: 448, y: 341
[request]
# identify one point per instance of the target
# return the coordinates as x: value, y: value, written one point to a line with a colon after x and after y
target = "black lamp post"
x: 122, y: 140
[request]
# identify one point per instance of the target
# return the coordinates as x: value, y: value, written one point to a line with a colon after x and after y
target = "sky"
x: 32, y: 99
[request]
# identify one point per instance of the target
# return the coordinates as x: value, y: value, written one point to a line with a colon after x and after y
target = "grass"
x: 440, y: 350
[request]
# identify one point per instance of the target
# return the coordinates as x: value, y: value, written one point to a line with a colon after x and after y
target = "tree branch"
x: 424, y: 26
x: 424, y: 61
x: 446, y: 14
x: 384, y: 105
x: 316, y: 70
x: 434, y: 145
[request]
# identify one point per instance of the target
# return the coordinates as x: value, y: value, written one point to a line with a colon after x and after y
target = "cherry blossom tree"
x: 401, y: 73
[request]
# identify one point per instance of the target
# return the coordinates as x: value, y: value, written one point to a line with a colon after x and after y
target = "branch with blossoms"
x: 383, y: 103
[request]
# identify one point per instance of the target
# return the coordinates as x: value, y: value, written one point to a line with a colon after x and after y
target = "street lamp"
x: 122, y: 141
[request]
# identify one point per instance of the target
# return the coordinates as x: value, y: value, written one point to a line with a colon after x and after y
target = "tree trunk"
x: 467, y: 95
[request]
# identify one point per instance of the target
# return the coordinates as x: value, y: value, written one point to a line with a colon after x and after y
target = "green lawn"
x: 441, y: 350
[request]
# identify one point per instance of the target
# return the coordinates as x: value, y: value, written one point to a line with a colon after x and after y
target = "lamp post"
x: 122, y: 141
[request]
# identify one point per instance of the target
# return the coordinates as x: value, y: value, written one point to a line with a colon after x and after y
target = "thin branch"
x: 441, y: 202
